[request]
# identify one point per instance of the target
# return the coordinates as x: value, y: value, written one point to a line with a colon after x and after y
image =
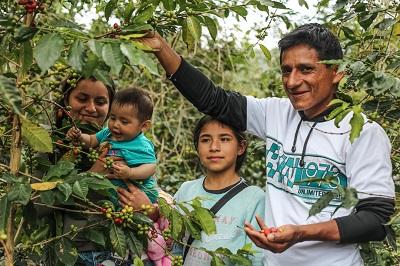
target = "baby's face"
x: 123, y: 123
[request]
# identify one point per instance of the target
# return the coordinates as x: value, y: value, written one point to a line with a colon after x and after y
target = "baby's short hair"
x: 137, y: 98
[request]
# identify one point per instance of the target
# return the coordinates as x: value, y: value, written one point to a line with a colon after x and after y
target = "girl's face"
x: 218, y: 148
x: 90, y: 102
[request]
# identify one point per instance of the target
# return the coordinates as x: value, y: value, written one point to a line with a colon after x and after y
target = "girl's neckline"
x: 223, y: 190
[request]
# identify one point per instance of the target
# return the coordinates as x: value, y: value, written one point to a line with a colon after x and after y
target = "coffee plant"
x: 42, y: 45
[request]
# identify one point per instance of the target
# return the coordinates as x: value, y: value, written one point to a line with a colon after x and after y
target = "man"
x: 301, y: 144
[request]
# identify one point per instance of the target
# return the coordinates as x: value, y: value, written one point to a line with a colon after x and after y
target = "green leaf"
x: 130, y: 7
x: 113, y: 57
x: 303, y: 3
x: 48, y: 50
x: 217, y: 261
x: 40, y: 234
x: 322, y: 202
x: 65, y: 189
x: 211, y: 26
x: 266, y: 52
x: 37, y: 137
x: 337, y: 110
x: 356, y: 122
x: 96, y: 236
x: 111, y: 5
x: 366, y: 19
x: 193, y: 229
x: 118, y: 240
x: 144, y: 15
x: 350, y: 198
x: 47, y: 197
x: 135, y: 246
x: 80, y: 189
x: 103, y: 77
x: 59, y: 170
x: 187, y: 37
x: 98, y: 184
x: 168, y: 4
x: 138, y: 262
x: 66, y: 252
x: 20, y: 193
x: 194, y: 27
x: 92, y: 63
x: 4, y: 212
x: 26, y: 54
x: 140, y: 218
x: 24, y: 33
x: 340, y: 117
x: 138, y: 57
x: 206, y: 219
x: 176, y: 224
x: 96, y: 47
x: 165, y: 208
x: 10, y: 94
x: 75, y: 56
x: 239, y: 10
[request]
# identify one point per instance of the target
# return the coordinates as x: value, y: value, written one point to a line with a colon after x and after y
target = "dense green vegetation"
x: 42, y: 44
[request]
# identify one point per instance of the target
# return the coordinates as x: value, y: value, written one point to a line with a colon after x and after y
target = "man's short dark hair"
x: 316, y: 36
x: 137, y: 98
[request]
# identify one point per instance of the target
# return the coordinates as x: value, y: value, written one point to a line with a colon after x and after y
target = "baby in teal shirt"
x: 130, y: 116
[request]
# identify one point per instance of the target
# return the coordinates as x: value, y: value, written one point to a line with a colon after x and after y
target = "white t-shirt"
x: 364, y: 165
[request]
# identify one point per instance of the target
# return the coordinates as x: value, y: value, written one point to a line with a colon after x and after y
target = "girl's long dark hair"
x: 240, y: 136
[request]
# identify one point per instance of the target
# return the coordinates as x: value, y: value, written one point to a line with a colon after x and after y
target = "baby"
x: 130, y: 116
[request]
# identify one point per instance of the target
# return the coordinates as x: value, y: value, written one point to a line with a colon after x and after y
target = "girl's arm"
x: 141, y: 172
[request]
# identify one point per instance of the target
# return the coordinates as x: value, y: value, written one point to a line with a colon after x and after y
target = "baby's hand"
x: 121, y: 170
x: 74, y: 133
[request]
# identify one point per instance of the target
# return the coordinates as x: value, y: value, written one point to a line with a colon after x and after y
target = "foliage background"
x: 369, y: 31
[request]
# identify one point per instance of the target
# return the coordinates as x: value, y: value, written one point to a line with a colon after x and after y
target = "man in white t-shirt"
x: 301, y: 144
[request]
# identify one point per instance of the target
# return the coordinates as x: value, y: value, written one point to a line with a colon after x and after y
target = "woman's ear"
x: 146, y: 125
x: 242, y: 147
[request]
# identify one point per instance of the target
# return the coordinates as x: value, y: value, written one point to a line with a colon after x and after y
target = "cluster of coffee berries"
x: 177, y: 260
x: 143, y: 229
x: 29, y: 158
x: 167, y: 234
x: 76, y: 151
x: 30, y: 5
x: 108, y: 163
x: 171, y: 16
x: 72, y: 78
x: 93, y: 155
x: 123, y: 217
x: 267, y: 231
x: 74, y: 228
x: 146, y: 209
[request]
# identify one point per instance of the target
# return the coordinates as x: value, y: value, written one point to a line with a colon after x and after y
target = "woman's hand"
x: 136, y: 198
x: 74, y: 133
x: 278, y: 241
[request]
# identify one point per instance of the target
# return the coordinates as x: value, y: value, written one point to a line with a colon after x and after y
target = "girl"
x: 221, y: 150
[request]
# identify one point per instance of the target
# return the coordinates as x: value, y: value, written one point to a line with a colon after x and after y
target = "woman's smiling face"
x: 89, y: 102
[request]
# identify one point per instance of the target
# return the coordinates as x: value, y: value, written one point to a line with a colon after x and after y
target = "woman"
x: 88, y: 104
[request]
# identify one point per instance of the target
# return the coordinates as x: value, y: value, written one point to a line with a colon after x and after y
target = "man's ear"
x: 146, y: 125
x: 337, y: 75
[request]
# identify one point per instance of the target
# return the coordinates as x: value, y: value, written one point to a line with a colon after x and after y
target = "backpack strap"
x: 217, y: 206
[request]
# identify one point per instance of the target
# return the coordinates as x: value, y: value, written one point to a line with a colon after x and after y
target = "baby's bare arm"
x: 136, y: 173
x: 90, y: 141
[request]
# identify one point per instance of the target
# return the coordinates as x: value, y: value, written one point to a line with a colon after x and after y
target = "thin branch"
x: 9, y: 60
x: 66, y: 209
